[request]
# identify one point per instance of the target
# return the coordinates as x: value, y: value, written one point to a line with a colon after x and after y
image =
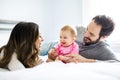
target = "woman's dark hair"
x: 106, y: 23
x: 22, y: 42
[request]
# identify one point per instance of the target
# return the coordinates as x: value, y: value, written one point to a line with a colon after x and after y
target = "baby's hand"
x: 63, y: 58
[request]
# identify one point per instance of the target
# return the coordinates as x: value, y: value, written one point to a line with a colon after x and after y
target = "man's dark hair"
x: 106, y: 23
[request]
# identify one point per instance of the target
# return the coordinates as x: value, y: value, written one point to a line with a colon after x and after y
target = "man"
x: 93, y: 46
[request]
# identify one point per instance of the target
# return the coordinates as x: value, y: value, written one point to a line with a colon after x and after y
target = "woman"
x: 22, y: 49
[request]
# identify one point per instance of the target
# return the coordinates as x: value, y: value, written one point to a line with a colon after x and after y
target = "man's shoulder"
x: 78, y: 42
x: 80, y: 33
x: 103, y: 44
x: 104, y: 47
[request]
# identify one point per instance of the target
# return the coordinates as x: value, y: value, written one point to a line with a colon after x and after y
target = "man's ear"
x: 103, y: 37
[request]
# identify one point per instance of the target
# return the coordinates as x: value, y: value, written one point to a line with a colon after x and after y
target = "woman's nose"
x: 42, y: 39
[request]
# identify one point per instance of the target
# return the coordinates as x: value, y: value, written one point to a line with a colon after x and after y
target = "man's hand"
x: 77, y: 58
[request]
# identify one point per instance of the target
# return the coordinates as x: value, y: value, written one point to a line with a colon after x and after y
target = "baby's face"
x: 66, y: 39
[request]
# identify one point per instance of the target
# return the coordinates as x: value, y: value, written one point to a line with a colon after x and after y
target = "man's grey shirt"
x: 99, y: 51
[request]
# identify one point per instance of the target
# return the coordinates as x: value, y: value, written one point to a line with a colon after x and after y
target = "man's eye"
x: 92, y: 34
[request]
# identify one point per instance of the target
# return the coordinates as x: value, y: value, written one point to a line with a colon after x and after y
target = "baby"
x: 66, y: 45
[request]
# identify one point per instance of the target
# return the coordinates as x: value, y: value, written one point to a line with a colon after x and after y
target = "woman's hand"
x: 40, y: 61
x: 52, y: 54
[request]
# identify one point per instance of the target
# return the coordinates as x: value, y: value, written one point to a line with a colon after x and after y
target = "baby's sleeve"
x: 75, y: 48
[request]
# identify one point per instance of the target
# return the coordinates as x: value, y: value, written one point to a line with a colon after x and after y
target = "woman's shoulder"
x: 15, y: 64
x: 1, y: 53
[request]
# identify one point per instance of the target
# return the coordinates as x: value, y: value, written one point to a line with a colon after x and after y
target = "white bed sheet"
x: 61, y: 71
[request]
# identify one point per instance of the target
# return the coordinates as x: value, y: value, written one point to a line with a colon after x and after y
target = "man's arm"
x: 77, y: 58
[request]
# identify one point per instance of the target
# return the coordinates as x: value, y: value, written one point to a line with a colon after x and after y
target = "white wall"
x: 20, y: 10
x: 51, y: 15
x: 58, y: 13
x: 23, y: 10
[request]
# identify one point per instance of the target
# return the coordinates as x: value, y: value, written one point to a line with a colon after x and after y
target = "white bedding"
x: 61, y: 71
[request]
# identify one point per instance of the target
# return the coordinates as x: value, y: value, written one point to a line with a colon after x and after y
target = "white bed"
x: 61, y: 71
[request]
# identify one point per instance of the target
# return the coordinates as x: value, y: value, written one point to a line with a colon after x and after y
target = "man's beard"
x: 90, y: 41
